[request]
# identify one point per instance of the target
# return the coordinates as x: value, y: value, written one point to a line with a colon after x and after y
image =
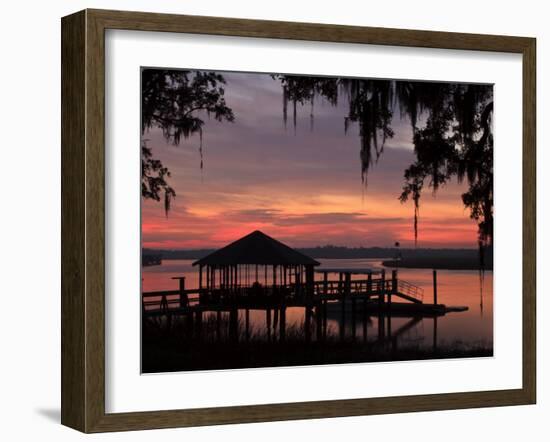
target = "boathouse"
x: 256, y: 265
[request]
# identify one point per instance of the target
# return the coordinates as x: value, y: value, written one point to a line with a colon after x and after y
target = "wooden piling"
x: 164, y: 304
x: 344, y: 294
x: 310, y: 284
x: 184, y: 301
x: 282, y: 324
x: 325, y: 319
x: 435, y: 334
x: 353, y: 318
x: 369, y: 284
x: 365, y: 323
x: 393, y: 286
x: 275, y: 320
x: 318, y: 321
x: 435, y: 286
x: 382, y: 287
x: 268, y: 323
x: 347, y: 285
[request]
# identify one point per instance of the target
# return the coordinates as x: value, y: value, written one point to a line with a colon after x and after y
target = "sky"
x: 301, y: 186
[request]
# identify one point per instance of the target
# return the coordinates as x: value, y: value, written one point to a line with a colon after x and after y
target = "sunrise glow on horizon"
x: 302, y: 187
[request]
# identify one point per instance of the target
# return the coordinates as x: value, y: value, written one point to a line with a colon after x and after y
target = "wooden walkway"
x: 373, y: 294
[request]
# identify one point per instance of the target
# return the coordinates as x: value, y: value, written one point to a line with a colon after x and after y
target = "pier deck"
x: 375, y: 296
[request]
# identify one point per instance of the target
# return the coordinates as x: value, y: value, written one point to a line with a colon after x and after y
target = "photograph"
x: 298, y: 220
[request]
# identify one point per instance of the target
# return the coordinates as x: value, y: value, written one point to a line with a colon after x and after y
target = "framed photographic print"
x: 267, y: 220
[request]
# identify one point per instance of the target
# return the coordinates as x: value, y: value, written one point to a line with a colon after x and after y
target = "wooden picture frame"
x: 83, y: 220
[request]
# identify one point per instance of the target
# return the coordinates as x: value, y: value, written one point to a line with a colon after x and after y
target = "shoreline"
x: 436, y: 264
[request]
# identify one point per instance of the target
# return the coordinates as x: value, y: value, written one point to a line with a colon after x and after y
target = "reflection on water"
x: 455, y: 288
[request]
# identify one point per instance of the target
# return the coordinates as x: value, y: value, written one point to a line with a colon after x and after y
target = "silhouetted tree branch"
x: 455, y: 141
x: 172, y: 101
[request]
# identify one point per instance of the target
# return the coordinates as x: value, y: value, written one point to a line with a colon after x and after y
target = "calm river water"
x: 455, y: 287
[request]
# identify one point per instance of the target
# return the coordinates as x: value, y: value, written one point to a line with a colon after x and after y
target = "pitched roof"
x: 256, y: 248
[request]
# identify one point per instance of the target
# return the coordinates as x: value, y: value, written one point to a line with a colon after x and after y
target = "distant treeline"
x: 419, y: 258
x: 454, y: 261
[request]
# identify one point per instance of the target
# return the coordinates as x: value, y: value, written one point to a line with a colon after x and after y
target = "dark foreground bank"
x: 164, y: 351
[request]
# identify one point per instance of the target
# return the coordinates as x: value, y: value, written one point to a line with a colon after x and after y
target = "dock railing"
x: 411, y: 290
x: 171, y: 300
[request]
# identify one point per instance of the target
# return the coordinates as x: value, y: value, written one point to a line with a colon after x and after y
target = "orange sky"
x: 303, y: 188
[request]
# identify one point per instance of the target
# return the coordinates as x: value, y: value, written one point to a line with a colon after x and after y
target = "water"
x: 455, y: 288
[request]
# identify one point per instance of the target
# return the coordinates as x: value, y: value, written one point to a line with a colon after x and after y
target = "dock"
x: 372, y: 294
x: 258, y: 272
